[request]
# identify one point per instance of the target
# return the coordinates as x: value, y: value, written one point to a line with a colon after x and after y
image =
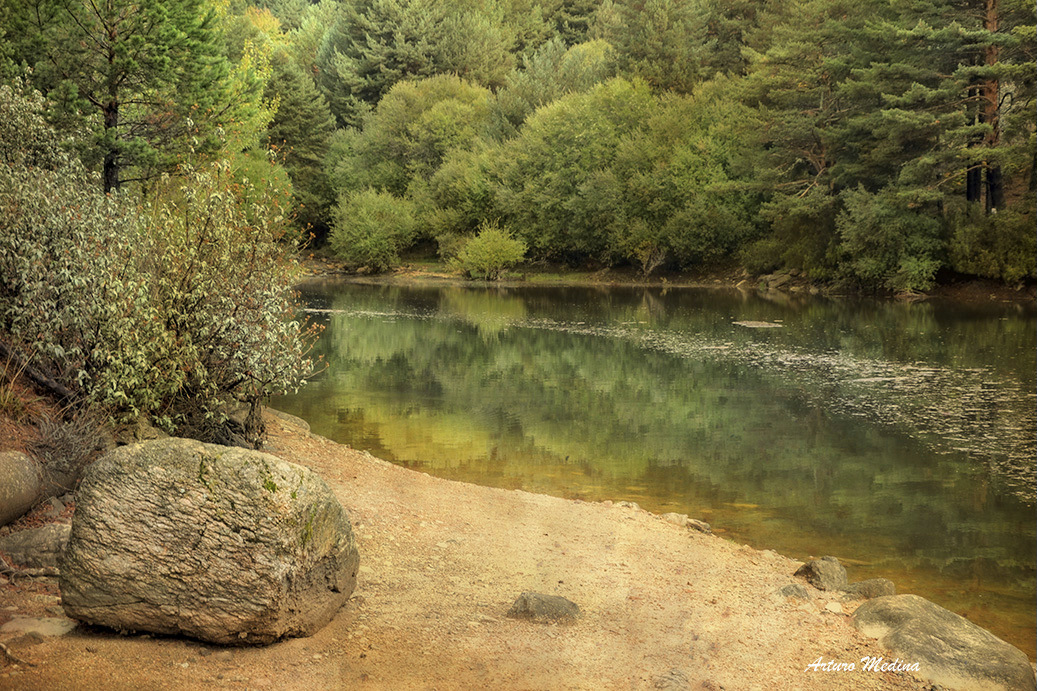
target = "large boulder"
x: 222, y: 544
x: 950, y: 650
x: 21, y: 481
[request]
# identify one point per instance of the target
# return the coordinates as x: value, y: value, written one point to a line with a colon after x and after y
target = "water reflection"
x: 897, y: 437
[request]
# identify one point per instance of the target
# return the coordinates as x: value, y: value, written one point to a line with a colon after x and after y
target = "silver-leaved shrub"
x: 180, y: 308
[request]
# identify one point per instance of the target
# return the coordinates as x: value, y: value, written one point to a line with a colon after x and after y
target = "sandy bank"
x: 441, y: 563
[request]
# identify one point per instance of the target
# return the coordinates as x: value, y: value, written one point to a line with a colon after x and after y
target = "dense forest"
x: 871, y: 142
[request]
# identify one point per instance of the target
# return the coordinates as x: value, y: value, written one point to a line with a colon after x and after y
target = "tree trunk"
x: 990, y: 99
x: 111, y: 152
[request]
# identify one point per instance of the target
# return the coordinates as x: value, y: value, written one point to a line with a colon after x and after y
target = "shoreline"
x: 441, y: 563
x: 970, y: 291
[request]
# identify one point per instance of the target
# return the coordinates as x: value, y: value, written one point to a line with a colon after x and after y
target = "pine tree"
x: 300, y: 130
x: 146, y: 71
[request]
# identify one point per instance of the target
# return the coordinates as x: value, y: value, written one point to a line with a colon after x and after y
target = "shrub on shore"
x: 180, y: 308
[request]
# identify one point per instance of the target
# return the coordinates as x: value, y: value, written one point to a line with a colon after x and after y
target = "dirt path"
x: 441, y: 563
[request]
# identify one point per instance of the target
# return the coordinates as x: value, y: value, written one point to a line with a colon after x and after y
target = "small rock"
x: 628, y: 505
x: 540, y: 607
x: 674, y: 680
x: 700, y: 526
x: 45, y: 626
x: 871, y: 588
x: 825, y: 573
x: 54, y: 508
x: 21, y: 485
x: 834, y: 607
x: 26, y: 640
x: 676, y: 518
x: 795, y: 591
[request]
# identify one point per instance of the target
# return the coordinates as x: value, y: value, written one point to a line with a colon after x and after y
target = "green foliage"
x: 659, y: 41
x: 489, y: 253
x: 802, y: 234
x: 891, y: 241
x: 299, y: 133
x: 179, y: 309
x: 146, y: 73
x: 557, y: 187
x: 376, y: 43
x: 1001, y: 246
x: 619, y: 174
x: 458, y: 197
x: 407, y: 137
x: 551, y: 72
x: 370, y: 228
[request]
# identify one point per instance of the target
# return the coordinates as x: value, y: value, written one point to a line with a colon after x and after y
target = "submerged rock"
x: 222, y: 544
x: 950, y: 650
x: 544, y: 608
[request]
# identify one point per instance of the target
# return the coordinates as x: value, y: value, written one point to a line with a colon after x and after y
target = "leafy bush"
x: 369, y: 228
x: 1001, y: 245
x: 890, y: 239
x: 221, y: 277
x: 489, y: 253
x: 182, y: 309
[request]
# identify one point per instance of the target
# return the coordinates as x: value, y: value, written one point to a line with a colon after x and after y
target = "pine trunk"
x: 110, y: 112
x: 990, y: 99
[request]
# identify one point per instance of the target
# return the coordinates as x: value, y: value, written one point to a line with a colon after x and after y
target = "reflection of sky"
x: 832, y: 434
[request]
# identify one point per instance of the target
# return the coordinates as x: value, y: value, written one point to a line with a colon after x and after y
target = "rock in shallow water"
x: 222, y: 544
x: 950, y: 650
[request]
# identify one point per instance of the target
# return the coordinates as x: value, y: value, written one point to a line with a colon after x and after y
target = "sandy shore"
x: 441, y: 563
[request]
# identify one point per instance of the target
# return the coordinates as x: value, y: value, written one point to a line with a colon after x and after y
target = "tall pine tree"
x: 144, y: 72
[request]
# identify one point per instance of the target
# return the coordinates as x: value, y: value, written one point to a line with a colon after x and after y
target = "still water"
x: 897, y: 437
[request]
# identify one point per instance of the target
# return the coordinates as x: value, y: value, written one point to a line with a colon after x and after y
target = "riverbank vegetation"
x: 867, y: 143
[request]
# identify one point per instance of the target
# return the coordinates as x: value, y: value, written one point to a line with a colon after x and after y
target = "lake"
x: 898, y: 437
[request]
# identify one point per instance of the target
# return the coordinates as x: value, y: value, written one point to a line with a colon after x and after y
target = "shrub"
x: 369, y: 228
x: 1001, y: 245
x: 489, y: 253
x: 889, y: 238
x: 181, y: 310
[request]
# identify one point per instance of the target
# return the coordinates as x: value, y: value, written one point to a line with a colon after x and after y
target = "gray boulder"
x: 544, y: 608
x: 21, y: 481
x: 222, y: 544
x: 36, y: 548
x: 950, y: 650
x: 825, y: 573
